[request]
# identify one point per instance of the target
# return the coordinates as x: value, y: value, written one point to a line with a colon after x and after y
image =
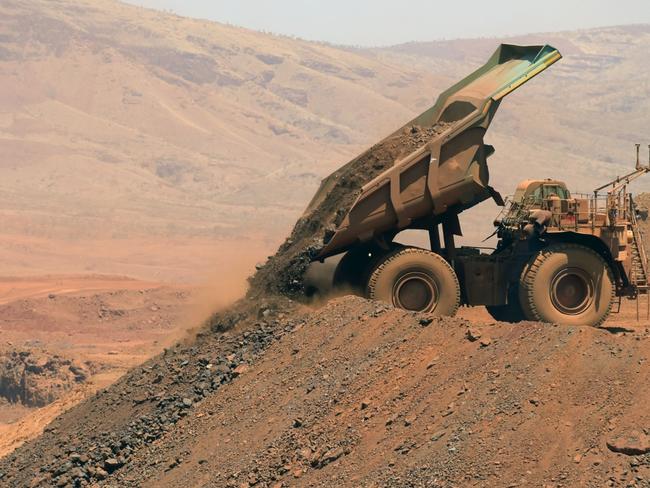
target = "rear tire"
x: 416, y: 279
x: 567, y: 284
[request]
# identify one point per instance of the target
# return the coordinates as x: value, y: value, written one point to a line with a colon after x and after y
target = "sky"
x: 387, y: 22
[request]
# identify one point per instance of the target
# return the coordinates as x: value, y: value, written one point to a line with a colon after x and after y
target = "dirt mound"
x: 97, y: 437
x: 360, y: 394
x: 283, y: 273
x: 38, y: 378
x: 105, y: 325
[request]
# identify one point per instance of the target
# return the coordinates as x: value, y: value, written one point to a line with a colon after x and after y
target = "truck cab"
x: 539, y: 190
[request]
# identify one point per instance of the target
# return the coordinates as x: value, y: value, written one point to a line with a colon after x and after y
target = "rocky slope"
x: 64, y: 338
x: 275, y: 394
x: 359, y: 394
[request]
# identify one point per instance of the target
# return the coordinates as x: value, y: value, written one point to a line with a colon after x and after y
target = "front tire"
x: 567, y: 284
x: 417, y: 280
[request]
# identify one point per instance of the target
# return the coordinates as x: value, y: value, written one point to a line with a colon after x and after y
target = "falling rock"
x: 242, y: 368
x: 473, y: 335
x: 634, y: 443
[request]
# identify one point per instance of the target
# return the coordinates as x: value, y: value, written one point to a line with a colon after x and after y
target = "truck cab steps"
x: 639, y: 269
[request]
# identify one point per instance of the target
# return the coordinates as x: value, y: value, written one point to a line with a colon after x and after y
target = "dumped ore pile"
x: 98, y: 437
x: 283, y: 273
x: 358, y: 394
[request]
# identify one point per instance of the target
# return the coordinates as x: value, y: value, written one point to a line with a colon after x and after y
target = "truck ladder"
x: 639, y: 258
x: 639, y: 271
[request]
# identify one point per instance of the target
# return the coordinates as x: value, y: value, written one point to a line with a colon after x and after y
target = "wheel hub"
x: 415, y: 291
x: 572, y: 291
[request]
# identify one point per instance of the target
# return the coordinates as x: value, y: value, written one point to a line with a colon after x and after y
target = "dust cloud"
x: 224, y: 281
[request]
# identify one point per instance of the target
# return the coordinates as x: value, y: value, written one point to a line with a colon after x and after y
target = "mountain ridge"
x: 125, y: 125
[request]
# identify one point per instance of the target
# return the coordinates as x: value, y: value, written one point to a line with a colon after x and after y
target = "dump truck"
x: 561, y: 257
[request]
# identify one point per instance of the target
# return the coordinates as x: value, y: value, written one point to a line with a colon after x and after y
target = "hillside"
x: 121, y: 127
x: 143, y: 143
x: 359, y: 394
x: 64, y: 338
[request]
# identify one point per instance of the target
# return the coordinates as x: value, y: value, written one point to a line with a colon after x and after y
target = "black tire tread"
x: 529, y: 275
x: 396, y: 254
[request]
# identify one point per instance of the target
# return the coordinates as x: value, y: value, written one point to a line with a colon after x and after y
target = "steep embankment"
x: 215, y: 124
x: 359, y: 394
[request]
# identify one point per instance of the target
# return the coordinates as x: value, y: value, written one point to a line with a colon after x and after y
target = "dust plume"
x: 225, y: 280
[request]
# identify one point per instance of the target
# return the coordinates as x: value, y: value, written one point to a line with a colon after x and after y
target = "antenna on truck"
x: 621, y: 181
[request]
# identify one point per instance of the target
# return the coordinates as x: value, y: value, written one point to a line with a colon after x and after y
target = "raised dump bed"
x: 447, y: 172
x: 430, y: 169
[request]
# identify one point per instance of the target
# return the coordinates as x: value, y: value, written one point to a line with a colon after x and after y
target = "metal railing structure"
x: 573, y: 214
x: 609, y: 205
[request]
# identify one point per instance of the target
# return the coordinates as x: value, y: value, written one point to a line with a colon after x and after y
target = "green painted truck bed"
x: 448, y: 172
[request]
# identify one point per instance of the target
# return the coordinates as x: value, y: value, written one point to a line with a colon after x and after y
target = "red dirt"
x: 359, y: 394
x: 113, y: 323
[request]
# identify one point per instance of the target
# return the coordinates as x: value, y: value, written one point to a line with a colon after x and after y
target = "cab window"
x: 557, y: 190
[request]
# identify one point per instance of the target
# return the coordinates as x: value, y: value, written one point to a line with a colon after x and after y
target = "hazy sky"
x: 381, y: 22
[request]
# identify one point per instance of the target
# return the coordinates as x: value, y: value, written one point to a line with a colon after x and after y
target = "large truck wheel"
x: 567, y: 284
x: 416, y: 279
x: 511, y: 312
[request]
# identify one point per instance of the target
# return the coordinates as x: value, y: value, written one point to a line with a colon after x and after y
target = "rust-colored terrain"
x: 63, y: 338
x: 179, y: 153
x: 140, y: 143
x: 359, y: 394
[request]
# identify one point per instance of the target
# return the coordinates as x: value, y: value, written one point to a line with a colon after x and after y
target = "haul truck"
x: 560, y: 257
